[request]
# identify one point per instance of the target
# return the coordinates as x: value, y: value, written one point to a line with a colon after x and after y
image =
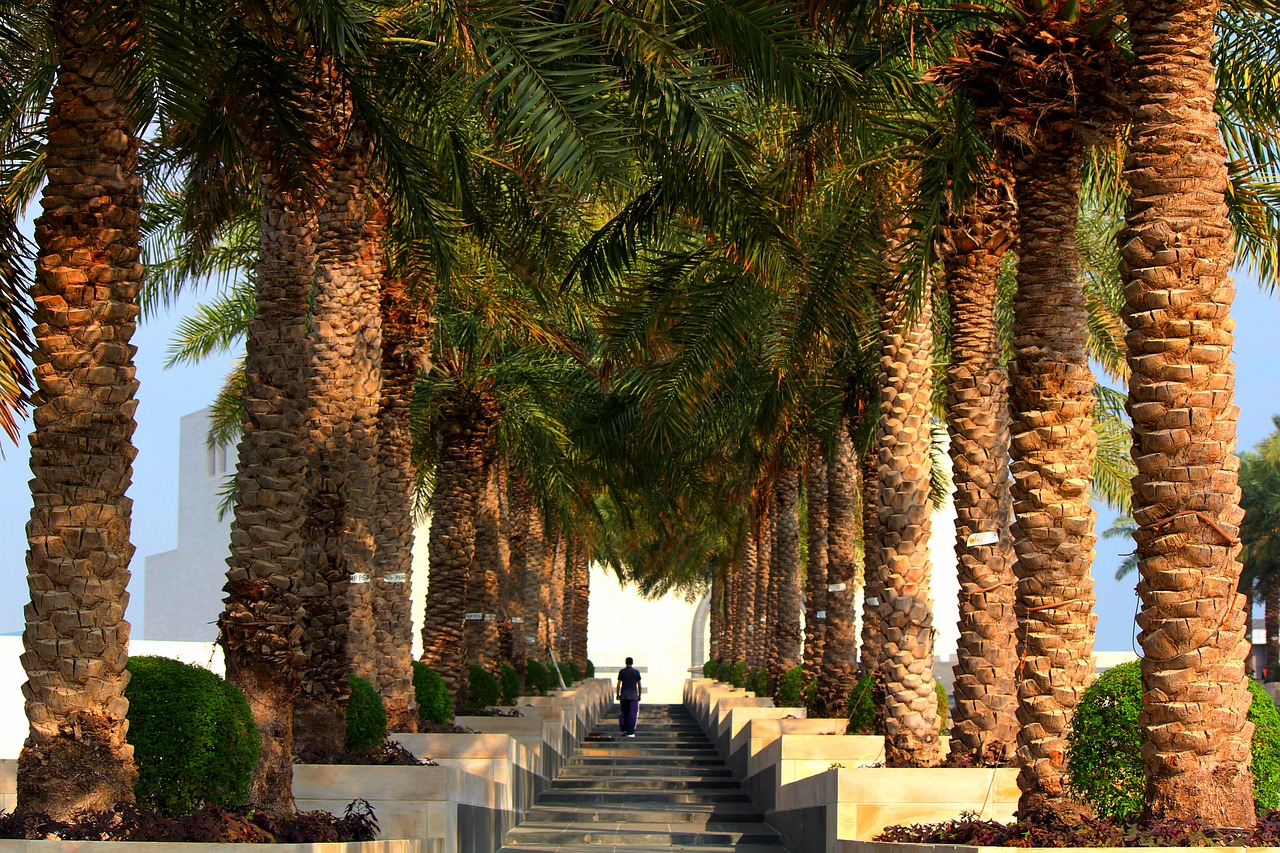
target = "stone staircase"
x: 666, y: 789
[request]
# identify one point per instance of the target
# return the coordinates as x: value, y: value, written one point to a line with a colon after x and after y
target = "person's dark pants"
x: 630, y: 709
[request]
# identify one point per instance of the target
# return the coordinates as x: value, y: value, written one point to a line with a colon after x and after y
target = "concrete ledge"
x: 445, y: 807
x: 389, y: 846
x: 892, y: 847
x: 499, y: 758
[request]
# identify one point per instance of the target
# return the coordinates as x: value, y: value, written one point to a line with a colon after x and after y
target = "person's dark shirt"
x: 629, y: 678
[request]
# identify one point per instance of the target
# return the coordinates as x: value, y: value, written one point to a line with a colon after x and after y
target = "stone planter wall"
x: 398, y: 846
x: 815, y: 785
x: 887, y: 847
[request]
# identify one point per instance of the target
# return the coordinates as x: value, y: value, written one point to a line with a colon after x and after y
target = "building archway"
x: 698, y: 642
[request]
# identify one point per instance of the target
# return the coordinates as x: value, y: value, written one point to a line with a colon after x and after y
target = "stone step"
x: 645, y: 812
x: 624, y: 782
x: 633, y: 748
x: 647, y: 759
x: 588, y: 847
x: 714, y: 833
x: 581, y: 771
x: 663, y: 792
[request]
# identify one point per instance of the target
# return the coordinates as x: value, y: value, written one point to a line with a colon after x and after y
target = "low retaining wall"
x: 816, y: 785
x: 400, y: 846
x: 890, y: 847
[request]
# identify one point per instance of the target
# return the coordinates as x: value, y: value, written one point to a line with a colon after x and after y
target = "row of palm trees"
x: 653, y: 268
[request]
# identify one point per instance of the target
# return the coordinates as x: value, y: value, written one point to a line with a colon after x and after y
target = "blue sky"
x: 167, y: 395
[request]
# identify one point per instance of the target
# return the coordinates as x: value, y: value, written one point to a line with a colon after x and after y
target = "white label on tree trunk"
x: 516, y: 620
x: 491, y: 617
x: 751, y: 627
x: 821, y: 614
x: 982, y: 537
x: 873, y: 601
x: 836, y: 587
x: 396, y: 577
x: 531, y: 638
x: 360, y: 577
x: 474, y: 617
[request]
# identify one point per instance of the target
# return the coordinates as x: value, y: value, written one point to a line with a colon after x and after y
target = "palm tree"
x: 815, y: 612
x: 984, y: 728
x: 784, y: 578
x: 898, y: 556
x: 1177, y: 256
x: 840, y: 647
x: 406, y: 342
x: 87, y: 276
x: 480, y: 628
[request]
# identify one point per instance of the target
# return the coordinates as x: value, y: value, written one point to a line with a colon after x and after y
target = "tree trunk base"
x: 103, y: 775
x: 319, y: 727
x: 907, y: 749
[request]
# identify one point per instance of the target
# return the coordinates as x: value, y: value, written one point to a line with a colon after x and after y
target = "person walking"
x: 628, y: 698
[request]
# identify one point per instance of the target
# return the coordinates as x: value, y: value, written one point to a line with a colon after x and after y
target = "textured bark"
x: 76, y: 640
x: 764, y: 567
x: 388, y: 665
x: 785, y: 583
x: 461, y: 435
x: 840, y: 646
x: 869, y: 654
x: 564, y: 653
x: 480, y: 635
x: 730, y: 630
x: 747, y: 592
x: 261, y: 620
x: 517, y: 531
x: 553, y: 558
x: 1178, y: 294
x: 533, y: 544
x: 581, y: 607
x: 815, y: 582
x: 1053, y: 447
x: 510, y: 596
x: 716, y: 614
x: 899, y: 554
x: 342, y: 446
x: 984, y: 725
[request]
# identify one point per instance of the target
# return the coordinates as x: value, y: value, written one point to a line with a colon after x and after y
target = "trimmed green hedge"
x: 510, y: 684
x: 366, y: 717
x: 791, y: 688
x: 862, y: 707
x: 537, y: 680
x: 1104, y: 757
x: 193, y: 736
x: 434, y: 702
x: 709, y: 669
x: 738, y: 675
x: 591, y: 669
x: 483, y: 690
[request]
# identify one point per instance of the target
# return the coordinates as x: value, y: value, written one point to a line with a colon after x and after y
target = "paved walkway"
x: 664, y: 790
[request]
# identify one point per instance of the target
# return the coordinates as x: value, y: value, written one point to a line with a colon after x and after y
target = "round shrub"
x: 575, y: 671
x: 366, y: 718
x: 862, y: 707
x: 510, y: 684
x: 791, y: 688
x: 1104, y: 756
x: 434, y: 702
x: 709, y: 670
x: 566, y: 675
x: 193, y: 736
x: 758, y: 682
x: 591, y: 669
x: 483, y: 690
x: 537, y: 681
x: 738, y: 675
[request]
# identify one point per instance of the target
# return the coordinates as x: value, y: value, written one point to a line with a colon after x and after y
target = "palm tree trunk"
x: 580, y: 623
x: 261, y: 621
x: 840, y: 643
x: 555, y: 594
x: 346, y: 360
x: 480, y: 626
x: 510, y: 598
x: 747, y: 589
x: 869, y: 657
x: 1178, y: 293
x: 815, y: 583
x: 785, y: 584
x: 899, y: 555
x: 406, y: 343
x: 518, y: 528
x: 764, y: 571
x: 715, y: 613
x: 534, y: 636
x: 461, y: 436
x: 1053, y: 447
x: 76, y: 640
x: 985, y: 725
